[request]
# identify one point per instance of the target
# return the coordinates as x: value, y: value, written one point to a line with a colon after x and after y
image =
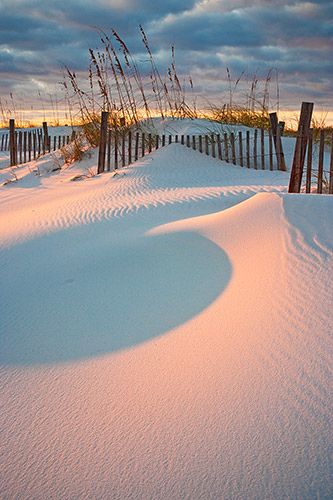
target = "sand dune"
x: 166, y: 333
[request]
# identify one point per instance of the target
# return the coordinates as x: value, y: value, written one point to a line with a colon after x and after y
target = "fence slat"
x: 182, y: 140
x: 188, y: 141
x: 157, y: 139
x: 330, y: 187
x: 163, y: 140
x: 29, y: 145
x: 248, y: 163
x: 200, y: 143
x: 102, y: 142
x: 20, y: 146
x: 116, y: 150
x: 206, y: 145
x: 321, y: 162
x: 240, y: 147
x: 233, y: 148
x: 270, y: 149
x: 136, y: 149
x: 25, y: 146
x: 219, y: 147
x: 277, y: 141
x: 226, y: 147
x: 143, y: 144
x: 213, y: 145
x: 149, y: 143
x: 262, y: 148
x: 194, y: 145
x: 129, y: 147
x: 109, y: 151
x: 255, y: 150
x: 45, y: 137
x: 34, y: 143
x: 12, y: 142
x: 123, y: 149
x: 309, y: 164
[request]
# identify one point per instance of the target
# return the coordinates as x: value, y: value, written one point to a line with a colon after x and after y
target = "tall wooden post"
x: 300, y: 147
x: 102, y: 142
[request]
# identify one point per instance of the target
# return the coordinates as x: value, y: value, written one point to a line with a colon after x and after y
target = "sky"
x: 293, y: 39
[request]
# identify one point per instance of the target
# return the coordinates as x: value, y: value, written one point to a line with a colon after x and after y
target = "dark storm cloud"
x: 296, y: 38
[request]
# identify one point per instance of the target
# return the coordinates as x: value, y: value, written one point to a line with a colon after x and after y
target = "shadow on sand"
x: 69, y: 298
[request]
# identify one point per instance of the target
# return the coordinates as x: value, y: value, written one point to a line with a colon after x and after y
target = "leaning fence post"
x: 102, y: 142
x: 300, y: 148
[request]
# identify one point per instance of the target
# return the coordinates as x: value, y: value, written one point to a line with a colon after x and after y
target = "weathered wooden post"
x: 12, y: 143
x: 300, y: 147
x: 102, y: 142
x: 277, y: 141
x: 46, y: 137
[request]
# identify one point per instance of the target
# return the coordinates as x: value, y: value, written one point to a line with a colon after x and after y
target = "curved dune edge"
x: 233, y: 403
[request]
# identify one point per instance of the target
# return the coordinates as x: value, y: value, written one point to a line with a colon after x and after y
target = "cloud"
x: 295, y: 37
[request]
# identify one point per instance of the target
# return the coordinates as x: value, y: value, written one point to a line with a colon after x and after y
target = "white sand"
x: 165, y: 334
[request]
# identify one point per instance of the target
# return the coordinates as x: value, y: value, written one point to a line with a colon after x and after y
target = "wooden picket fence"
x: 27, y: 145
x: 314, y: 177
x: 251, y: 148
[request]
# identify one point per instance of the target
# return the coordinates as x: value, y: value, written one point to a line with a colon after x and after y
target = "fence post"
x: 330, y: 187
x: 12, y: 142
x: 219, y: 147
x: 321, y: 162
x: 233, y: 148
x: 262, y: 148
x: 102, y: 142
x: 240, y: 145
x: 300, y: 147
x: 226, y: 147
x: 277, y: 141
x: 270, y: 148
x: 46, y: 137
x: 309, y: 164
x: 255, y: 149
